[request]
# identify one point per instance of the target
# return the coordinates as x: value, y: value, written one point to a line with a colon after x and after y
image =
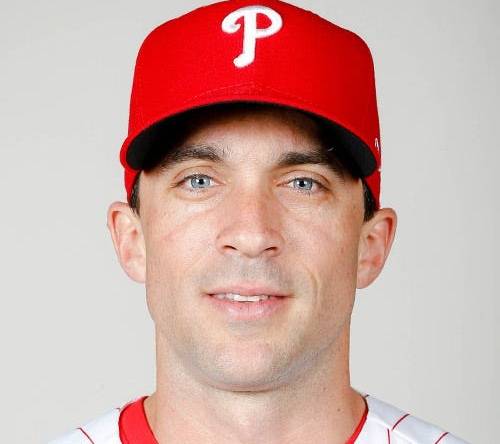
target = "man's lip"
x: 248, y: 290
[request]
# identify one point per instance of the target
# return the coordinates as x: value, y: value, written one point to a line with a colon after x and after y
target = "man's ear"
x: 128, y: 240
x: 375, y: 243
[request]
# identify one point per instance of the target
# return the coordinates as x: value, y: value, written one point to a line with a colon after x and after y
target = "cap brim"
x: 359, y: 154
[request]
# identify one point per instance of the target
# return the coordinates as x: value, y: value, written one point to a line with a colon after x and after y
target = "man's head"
x: 238, y: 204
x: 253, y: 150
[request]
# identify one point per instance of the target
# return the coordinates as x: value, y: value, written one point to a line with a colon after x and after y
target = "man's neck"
x: 319, y: 406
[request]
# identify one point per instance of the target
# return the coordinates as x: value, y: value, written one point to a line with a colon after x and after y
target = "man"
x: 252, y: 170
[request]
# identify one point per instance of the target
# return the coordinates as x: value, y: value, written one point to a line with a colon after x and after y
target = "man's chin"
x: 251, y: 382
x: 250, y: 368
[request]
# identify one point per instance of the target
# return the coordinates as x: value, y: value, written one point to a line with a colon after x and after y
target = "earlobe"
x: 377, y: 236
x: 128, y: 240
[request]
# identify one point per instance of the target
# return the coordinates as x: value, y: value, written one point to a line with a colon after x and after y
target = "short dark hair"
x: 165, y: 136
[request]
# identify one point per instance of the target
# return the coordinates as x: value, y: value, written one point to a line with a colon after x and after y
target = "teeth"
x: 241, y: 298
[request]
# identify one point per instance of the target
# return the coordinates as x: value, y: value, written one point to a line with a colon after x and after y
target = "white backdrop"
x: 76, y: 337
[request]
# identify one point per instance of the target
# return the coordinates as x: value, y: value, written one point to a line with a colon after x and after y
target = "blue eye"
x: 308, y: 190
x: 196, y: 178
x: 302, y: 180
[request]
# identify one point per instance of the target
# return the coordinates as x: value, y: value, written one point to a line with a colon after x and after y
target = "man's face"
x: 247, y: 220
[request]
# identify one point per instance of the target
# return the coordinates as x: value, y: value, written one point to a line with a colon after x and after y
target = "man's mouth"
x: 237, y: 307
x: 243, y: 298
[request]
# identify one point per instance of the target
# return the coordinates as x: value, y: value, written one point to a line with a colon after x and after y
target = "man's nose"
x: 251, y: 225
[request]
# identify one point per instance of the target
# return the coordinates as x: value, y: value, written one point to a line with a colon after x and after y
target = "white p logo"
x: 251, y: 33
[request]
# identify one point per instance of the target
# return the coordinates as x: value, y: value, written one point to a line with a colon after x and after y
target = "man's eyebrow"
x: 192, y: 152
x: 219, y: 155
x: 318, y: 156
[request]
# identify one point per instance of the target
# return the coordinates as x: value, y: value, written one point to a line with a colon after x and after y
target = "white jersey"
x: 384, y: 424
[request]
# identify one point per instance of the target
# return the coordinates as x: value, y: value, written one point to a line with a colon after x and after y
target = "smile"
x: 243, y: 298
x: 237, y: 307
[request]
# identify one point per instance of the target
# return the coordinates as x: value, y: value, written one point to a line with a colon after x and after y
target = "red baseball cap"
x: 257, y: 51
